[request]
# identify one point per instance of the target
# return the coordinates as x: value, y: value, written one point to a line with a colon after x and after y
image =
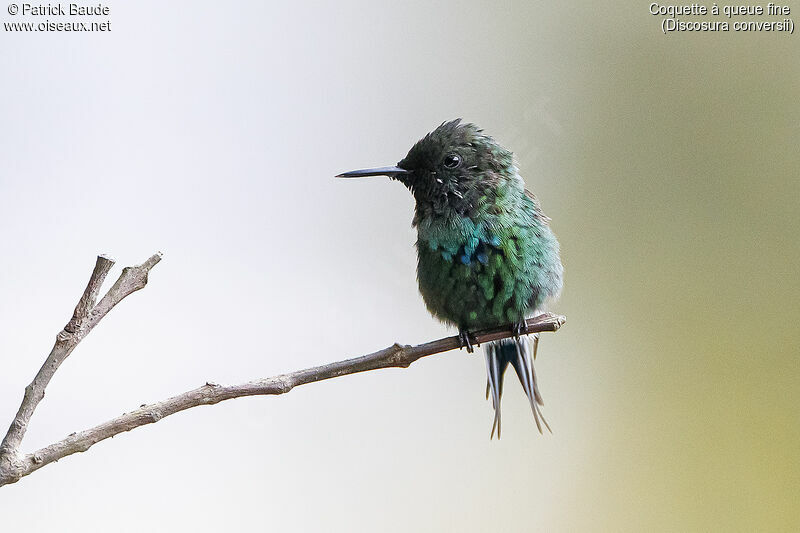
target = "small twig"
x: 14, y: 466
x: 87, y: 301
x: 84, y: 319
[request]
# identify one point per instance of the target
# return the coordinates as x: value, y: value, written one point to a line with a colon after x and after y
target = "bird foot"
x: 466, y: 342
x: 520, y: 328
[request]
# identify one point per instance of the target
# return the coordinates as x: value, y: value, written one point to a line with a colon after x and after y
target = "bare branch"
x: 84, y: 319
x: 397, y: 356
x: 131, y: 280
x: 14, y: 465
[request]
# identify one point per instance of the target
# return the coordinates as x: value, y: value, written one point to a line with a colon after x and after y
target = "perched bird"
x: 487, y: 255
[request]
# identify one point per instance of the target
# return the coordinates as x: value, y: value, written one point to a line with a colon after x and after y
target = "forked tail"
x: 519, y: 353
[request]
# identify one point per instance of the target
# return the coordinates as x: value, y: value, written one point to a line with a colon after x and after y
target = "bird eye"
x: 452, y: 161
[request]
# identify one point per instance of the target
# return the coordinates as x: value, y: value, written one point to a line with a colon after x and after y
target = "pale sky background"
x: 212, y: 132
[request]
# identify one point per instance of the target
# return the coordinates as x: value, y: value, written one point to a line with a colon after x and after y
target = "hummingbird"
x: 486, y: 254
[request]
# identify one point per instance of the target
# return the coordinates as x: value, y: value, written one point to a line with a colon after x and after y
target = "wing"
x: 537, y: 206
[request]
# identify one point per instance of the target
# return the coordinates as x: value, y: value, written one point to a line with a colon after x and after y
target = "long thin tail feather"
x: 494, y: 383
x: 520, y: 354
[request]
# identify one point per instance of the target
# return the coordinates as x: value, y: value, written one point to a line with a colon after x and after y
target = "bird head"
x: 449, y: 168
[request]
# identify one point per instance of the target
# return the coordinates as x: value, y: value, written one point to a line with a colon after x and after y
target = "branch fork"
x: 86, y: 316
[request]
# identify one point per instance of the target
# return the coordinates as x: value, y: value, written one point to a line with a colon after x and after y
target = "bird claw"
x: 520, y: 328
x: 465, y: 341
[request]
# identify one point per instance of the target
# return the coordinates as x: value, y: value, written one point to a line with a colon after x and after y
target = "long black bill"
x: 380, y: 171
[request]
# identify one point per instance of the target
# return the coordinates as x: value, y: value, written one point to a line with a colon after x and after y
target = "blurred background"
x: 669, y: 164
